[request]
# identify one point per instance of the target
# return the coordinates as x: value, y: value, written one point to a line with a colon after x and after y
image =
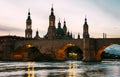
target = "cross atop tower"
x: 52, y: 10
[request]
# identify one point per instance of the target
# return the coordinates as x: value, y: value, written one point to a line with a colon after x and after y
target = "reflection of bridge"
x: 92, y: 48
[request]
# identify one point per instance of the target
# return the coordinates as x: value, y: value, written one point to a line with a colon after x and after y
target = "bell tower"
x: 51, y: 28
x: 28, y: 30
x: 85, y: 29
x: 64, y: 27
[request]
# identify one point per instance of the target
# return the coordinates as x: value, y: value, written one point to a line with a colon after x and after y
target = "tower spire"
x: 64, y: 22
x: 52, y: 10
x: 59, y: 24
x: 85, y: 29
x: 29, y: 18
x: 85, y: 19
x: 52, y: 18
x: 64, y: 27
x: 78, y: 35
x: 28, y: 30
x: 37, y: 35
x: 51, y: 28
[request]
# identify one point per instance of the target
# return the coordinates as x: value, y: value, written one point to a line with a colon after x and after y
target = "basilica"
x: 54, y: 32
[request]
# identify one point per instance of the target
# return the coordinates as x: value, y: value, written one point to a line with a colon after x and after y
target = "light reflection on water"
x: 72, y: 70
x: 60, y: 69
x: 31, y: 68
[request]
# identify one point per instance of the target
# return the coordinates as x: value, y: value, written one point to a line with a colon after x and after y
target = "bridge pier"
x: 7, y: 49
x: 89, y: 54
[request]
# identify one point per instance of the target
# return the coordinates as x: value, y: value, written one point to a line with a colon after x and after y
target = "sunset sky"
x: 103, y: 16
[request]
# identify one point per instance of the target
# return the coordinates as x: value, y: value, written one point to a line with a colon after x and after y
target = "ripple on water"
x: 60, y: 69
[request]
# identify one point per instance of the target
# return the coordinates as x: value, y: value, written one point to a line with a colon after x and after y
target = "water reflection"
x: 31, y: 69
x: 115, y: 70
x: 60, y: 69
x: 69, y: 70
x: 72, y: 71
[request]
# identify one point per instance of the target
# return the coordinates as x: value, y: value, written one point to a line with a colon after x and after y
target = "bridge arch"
x: 27, y: 52
x: 68, y: 50
x: 101, y: 50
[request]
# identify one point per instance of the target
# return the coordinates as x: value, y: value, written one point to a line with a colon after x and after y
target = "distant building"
x: 85, y: 29
x: 53, y: 31
x: 28, y: 30
x: 59, y: 32
x: 37, y: 35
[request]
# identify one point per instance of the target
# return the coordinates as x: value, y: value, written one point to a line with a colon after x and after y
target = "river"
x: 60, y: 69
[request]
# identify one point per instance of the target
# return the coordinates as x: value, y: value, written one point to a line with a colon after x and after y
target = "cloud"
x: 5, y: 28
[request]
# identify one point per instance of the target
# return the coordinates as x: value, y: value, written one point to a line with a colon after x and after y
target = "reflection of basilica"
x: 72, y: 71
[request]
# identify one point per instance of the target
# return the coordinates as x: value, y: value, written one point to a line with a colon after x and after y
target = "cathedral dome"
x: 59, y: 31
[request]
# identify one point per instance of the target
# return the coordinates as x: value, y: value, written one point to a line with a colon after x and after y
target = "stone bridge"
x: 92, y: 48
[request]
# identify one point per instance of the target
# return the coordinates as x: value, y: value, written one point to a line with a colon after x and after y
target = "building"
x: 85, y: 29
x: 28, y: 30
x: 59, y: 32
x: 37, y: 35
x: 54, y: 32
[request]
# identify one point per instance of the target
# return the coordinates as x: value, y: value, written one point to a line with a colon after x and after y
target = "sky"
x: 113, y: 49
x: 103, y: 16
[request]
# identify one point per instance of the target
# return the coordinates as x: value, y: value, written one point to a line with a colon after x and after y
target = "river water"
x: 60, y: 69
